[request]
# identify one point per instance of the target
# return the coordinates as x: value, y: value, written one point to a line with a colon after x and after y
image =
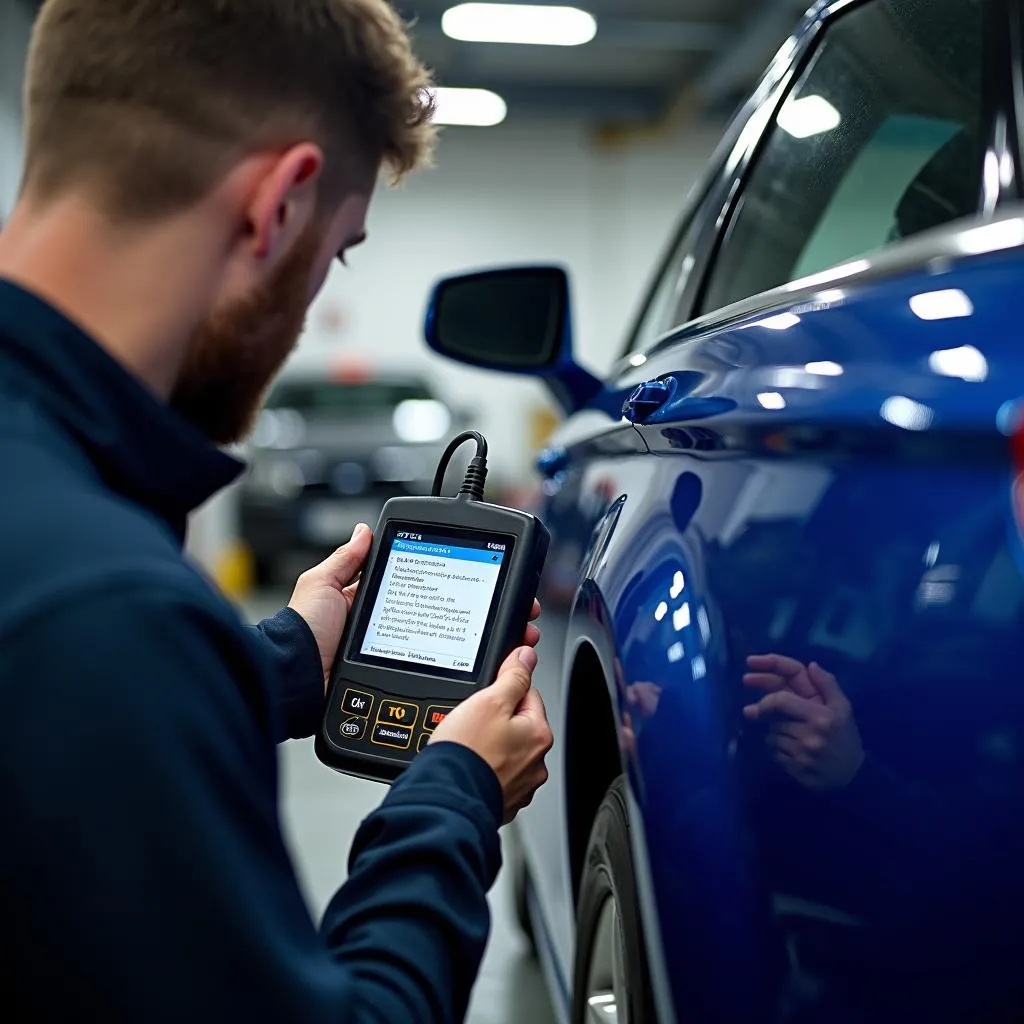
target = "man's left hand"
x: 323, y: 596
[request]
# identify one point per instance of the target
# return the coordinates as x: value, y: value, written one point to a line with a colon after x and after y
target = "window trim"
x: 827, y: 18
x: 728, y: 169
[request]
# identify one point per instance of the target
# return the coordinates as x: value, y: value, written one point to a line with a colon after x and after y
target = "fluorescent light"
x: 1007, y: 234
x: 807, y: 116
x: 825, y: 368
x: 965, y: 362
x: 475, y: 108
x: 681, y: 617
x: 782, y: 322
x: 771, y: 400
x: 947, y: 304
x: 536, y: 24
x: 420, y: 421
x: 906, y: 413
x: 638, y: 360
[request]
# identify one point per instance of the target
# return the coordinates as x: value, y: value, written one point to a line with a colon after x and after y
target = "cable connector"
x: 476, y: 473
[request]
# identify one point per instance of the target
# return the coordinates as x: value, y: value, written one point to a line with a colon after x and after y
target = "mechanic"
x: 192, y: 169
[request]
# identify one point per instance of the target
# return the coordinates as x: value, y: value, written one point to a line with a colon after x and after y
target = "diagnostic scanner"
x: 445, y: 597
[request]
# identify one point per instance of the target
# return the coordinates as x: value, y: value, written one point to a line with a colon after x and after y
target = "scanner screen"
x: 434, y: 598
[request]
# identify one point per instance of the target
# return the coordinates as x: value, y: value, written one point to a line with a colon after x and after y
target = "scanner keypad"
x: 369, y: 722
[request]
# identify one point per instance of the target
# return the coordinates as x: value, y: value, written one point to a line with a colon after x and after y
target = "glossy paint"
x: 890, y: 555
x: 827, y: 474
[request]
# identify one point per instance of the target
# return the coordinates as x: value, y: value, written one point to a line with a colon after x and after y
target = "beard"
x: 237, y: 352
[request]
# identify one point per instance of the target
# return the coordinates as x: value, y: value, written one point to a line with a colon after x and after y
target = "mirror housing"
x: 514, y: 320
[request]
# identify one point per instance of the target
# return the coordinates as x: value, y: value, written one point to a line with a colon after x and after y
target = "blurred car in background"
x: 328, y: 451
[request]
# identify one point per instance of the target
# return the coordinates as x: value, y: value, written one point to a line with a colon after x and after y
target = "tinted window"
x: 880, y: 139
x: 662, y: 311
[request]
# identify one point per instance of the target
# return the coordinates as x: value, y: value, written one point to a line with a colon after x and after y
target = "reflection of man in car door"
x: 933, y: 874
x: 811, y: 729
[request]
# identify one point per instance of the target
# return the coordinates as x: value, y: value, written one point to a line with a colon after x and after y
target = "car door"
x: 831, y: 482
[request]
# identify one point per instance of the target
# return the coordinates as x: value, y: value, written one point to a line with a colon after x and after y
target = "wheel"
x: 516, y: 861
x: 611, y: 982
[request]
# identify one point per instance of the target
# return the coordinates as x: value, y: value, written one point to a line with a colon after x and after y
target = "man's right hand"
x: 507, y: 726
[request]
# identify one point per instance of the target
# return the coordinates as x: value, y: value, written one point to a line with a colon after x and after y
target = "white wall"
x: 519, y: 193
x: 15, y: 26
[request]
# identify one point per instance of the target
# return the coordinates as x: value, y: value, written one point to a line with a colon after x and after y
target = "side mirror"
x: 516, y: 320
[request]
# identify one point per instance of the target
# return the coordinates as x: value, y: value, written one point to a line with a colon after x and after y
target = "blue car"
x: 784, y: 605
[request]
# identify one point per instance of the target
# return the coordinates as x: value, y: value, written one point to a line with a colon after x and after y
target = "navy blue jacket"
x: 142, y: 863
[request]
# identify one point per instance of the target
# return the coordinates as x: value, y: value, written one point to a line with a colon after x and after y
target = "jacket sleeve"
x: 289, y: 648
x: 153, y: 882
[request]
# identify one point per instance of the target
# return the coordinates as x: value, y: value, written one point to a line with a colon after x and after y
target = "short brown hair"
x: 151, y: 102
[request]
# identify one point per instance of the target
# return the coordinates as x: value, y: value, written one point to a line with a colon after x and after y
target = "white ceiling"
x: 645, y: 54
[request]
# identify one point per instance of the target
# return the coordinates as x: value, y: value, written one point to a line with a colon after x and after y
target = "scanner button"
x: 352, y: 728
x: 397, y: 713
x: 397, y: 736
x: 422, y: 741
x: 355, y: 702
x: 435, y: 716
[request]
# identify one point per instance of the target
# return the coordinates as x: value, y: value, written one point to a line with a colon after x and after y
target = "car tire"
x: 611, y: 956
x: 520, y: 875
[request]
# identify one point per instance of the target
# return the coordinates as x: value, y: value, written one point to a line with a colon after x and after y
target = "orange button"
x: 435, y: 716
x: 396, y: 712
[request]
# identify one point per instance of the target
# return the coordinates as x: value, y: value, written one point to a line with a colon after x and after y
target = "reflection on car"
x: 784, y: 606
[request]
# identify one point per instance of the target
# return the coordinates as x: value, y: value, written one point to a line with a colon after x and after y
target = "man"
x: 192, y: 168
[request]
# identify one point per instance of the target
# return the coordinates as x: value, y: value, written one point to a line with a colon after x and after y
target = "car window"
x: 881, y: 138
x: 661, y: 311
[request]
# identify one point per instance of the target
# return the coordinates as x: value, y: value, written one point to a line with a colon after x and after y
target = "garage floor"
x: 321, y: 812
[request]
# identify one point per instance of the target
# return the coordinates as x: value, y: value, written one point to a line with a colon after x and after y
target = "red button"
x: 435, y: 716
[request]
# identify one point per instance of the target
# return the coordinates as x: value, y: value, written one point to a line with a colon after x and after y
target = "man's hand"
x: 814, y: 739
x: 324, y: 594
x: 774, y: 672
x: 507, y: 726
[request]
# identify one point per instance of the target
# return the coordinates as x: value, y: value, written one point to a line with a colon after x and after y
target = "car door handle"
x: 670, y: 396
x: 646, y: 399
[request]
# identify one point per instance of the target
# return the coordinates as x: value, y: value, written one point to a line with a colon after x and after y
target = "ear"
x: 284, y: 202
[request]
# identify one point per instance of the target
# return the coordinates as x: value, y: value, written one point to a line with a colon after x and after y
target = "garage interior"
x: 595, y: 149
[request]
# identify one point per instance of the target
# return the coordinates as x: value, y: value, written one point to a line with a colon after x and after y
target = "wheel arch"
x: 592, y: 758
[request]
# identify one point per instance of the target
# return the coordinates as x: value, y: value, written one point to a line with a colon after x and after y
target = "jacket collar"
x: 140, y: 447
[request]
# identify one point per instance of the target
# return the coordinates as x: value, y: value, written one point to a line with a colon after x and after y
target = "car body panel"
x: 828, y: 531
x: 830, y: 479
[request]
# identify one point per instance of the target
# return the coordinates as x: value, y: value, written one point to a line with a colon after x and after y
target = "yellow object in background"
x: 543, y: 421
x: 234, y: 572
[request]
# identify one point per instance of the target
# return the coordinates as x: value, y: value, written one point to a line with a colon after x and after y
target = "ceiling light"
x: 947, y: 304
x: 638, y: 360
x: 476, y: 108
x: 807, y: 116
x: 825, y: 368
x: 906, y: 413
x: 781, y: 322
x: 1007, y: 234
x: 965, y: 362
x: 771, y: 400
x: 536, y: 24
